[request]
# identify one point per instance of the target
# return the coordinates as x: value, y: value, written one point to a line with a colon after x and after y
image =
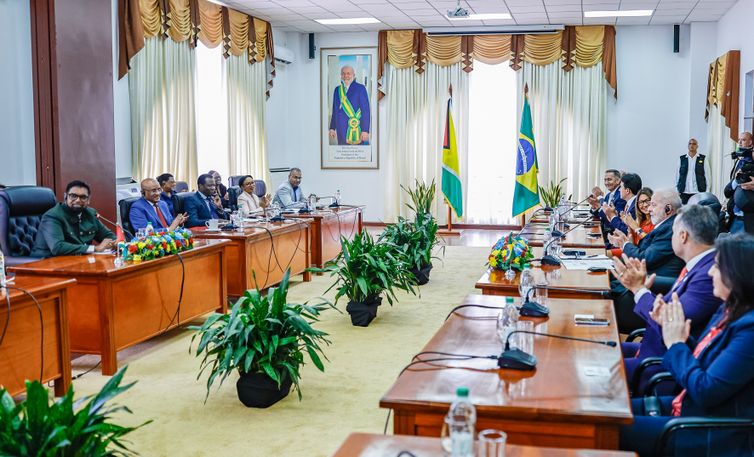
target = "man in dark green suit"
x: 69, y: 228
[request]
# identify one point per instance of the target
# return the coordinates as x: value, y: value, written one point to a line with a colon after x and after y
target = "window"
x: 211, y: 112
x: 493, y: 133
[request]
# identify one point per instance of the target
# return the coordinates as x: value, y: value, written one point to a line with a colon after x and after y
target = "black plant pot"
x: 257, y: 390
x: 363, y: 313
x: 422, y: 274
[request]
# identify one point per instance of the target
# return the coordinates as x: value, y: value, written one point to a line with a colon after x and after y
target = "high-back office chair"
x: 260, y: 188
x: 181, y: 186
x: 21, y: 210
x: 125, y: 213
x: 233, y: 193
x: 179, y: 203
x: 234, y: 180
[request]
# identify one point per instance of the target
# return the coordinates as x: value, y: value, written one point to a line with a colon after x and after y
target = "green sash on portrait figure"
x: 353, y: 136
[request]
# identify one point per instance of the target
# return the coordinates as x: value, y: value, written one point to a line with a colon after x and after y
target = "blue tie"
x: 211, y: 208
x: 294, y: 193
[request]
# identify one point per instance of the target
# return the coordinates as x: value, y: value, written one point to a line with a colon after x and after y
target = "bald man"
x: 149, y: 208
x: 350, y: 119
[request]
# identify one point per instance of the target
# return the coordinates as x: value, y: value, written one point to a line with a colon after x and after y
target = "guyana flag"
x: 526, y: 193
x: 451, y: 173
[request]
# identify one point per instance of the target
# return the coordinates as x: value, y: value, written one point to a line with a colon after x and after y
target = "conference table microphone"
x: 516, y: 359
x: 548, y: 259
x: 531, y: 308
x: 114, y: 224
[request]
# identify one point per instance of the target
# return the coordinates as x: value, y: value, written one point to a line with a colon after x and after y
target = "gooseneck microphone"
x: 516, y: 359
x: 548, y: 259
x: 115, y: 224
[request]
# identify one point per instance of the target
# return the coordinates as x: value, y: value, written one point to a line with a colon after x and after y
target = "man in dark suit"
x: 151, y: 208
x: 168, y: 195
x: 220, y: 188
x: 630, y: 185
x: 204, y: 204
x: 694, y: 232
x: 351, y: 116
x: 612, y: 199
x: 656, y: 249
x: 740, y: 190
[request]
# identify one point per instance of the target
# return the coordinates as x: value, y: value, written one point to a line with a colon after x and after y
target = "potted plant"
x: 364, y: 270
x: 552, y: 194
x: 264, y: 339
x: 36, y: 427
x: 422, y: 196
x: 416, y: 240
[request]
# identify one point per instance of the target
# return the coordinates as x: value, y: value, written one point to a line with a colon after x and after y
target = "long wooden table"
x: 328, y: 226
x: 264, y: 250
x: 112, y: 308
x: 493, y: 282
x: 22, y: 349
x: 576, y: 398
x: 370, y: 445
x: 579, y: 237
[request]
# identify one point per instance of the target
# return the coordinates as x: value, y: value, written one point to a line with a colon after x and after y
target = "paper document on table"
x: 584, y: 257
x: 585, y: 264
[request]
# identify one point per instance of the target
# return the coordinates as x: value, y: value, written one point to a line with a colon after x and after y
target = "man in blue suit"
x: 350, y: 119
x: 612, y: 199
x: 151, y: 208
x: 630, y: 185
x: 694, y: 233
x: 205, y: 204
x: 656, y: 249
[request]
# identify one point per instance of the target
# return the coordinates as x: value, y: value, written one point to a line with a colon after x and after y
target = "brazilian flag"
x: 526, y: 193
x: 451, y: 174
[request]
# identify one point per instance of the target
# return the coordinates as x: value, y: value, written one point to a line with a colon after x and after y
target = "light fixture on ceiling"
x: 482, y: 17
x: 619, y: 13
x: 349, y: 21
x: 459, y: 12
x: 503, y: 30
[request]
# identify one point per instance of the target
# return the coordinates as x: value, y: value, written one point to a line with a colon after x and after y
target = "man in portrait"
x: 350, y: 118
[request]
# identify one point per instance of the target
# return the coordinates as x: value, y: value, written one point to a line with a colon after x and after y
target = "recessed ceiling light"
x: 619, y: 13
x: 482, y: 17
x: 349, y: 21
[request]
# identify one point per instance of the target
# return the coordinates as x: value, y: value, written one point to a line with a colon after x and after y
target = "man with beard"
x: 70, y: 227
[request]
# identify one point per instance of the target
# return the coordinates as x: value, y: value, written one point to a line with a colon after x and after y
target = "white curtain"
x: 415, y: 108
x: 247, y: 147
x: 163, y: 126
x: 569, y: 116
x: 719, y: 146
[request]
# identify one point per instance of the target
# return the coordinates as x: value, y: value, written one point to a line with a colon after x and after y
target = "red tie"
x: 162, y: 218
x: 683, y: 274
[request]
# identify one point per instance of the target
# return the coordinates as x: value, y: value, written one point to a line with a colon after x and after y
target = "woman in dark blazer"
x: 716, y: 372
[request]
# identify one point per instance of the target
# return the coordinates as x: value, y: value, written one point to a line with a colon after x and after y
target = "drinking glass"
x: 524, y: 341
x: 491, y: 443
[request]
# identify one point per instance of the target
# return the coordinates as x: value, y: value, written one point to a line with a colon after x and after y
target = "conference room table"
x: 589, y: 285
x: 113, y: 307
x: 577, y: 397
x: 258, y: 255
x: 328, y: 226
x: 25, y: 346
x: 579, y: 237
x: 372, y: 445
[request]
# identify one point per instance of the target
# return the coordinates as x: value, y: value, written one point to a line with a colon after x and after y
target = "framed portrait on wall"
x: 348, y: 102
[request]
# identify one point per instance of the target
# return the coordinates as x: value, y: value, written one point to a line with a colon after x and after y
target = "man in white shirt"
x: 693, y: 172
x: 290, y: 195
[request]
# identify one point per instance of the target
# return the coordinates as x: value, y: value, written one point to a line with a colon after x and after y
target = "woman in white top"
x: 248, y: 202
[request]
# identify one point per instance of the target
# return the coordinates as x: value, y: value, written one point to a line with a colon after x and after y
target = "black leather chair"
x: 234, y: 180
x: 21, y: 210
x: 125, y: 212
x: 181, y: 186
x: 179, y: 201
x: 233, y: 193
x: 260, y: 188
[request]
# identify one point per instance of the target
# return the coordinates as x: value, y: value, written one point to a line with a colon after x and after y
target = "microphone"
x: 548, y: 259
x: 334, y: 203
x: 516, y: 359
x: 114, y: 224
x: 562, y: 216
x: 531, y: 308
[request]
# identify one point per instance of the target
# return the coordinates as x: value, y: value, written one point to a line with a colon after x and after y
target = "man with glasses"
x: 71, y: 227
x: 693, y: 170
x: 151, y: 208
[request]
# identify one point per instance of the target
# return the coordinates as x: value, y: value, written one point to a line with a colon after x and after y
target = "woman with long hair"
x: 639, y: 227
x: 715, y: 372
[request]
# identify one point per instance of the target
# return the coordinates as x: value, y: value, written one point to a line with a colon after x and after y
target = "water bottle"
x: 525, y: 283
x: 337, y: 197
x: 3, y: 279
x: 461, y: 420
x: 507, y: 319
x: 150, y: 229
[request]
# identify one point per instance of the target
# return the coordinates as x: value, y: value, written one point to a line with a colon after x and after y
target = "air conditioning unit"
x: 502, y: 30
x: 284, y: 55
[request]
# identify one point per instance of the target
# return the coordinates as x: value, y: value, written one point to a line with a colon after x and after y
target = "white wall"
x: 17, y: 153
x: 661, y: 98
x: 293, y: 126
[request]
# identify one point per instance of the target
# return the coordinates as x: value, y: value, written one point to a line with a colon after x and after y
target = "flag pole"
x: 449, y: 230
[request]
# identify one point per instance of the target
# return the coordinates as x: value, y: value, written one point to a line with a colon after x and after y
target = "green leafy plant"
x: 551, y: 194
x: 415, y: 239
x: 422, y: 196
x: 365, y: 269
x: 36, y: 427
x: 262, y: 334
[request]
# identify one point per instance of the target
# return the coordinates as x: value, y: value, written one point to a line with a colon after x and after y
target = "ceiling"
x: 299, y: 15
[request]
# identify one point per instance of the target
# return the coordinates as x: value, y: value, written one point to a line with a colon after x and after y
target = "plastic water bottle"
x: 3, y: 279
x: 337, y: 197
x: 461, y: 421
x: 150, y: 229
x: 507, y: 319
x: 525, y: 283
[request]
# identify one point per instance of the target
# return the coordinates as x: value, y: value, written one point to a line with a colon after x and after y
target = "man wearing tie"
x: 204, y: 204
x: 694, y: 233
x: 290, y: 194
x: 151, y: 208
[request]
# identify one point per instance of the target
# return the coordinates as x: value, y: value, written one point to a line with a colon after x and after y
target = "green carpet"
x: 363, y: 364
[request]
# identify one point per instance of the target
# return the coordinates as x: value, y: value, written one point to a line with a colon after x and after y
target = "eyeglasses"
x: 73, y: 197
x: 643, y: 202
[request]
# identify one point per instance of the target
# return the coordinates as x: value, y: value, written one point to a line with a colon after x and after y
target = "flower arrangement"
x: 510, y: 252
x: 157, y: 245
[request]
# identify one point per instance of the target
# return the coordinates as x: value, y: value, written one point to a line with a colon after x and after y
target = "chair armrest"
x: 639, y: 332
x: 655, y: 380
x: 681, y: 423
x: 639, y: 371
